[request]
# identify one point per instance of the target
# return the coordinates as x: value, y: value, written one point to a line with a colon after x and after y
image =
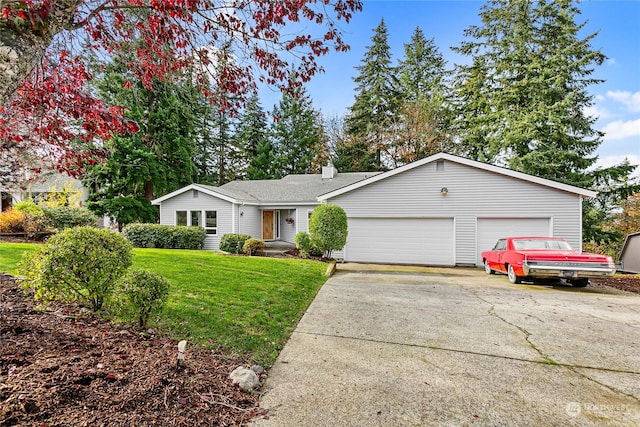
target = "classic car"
x: 531, y: 258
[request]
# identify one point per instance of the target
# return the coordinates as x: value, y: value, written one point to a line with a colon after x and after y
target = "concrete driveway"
x: 455, y: 347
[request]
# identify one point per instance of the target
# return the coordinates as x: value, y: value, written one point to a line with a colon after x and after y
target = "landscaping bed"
x: 64, y: 368
x: 624, y: 282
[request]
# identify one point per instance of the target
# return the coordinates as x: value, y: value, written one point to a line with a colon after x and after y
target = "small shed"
x: 630, y: 254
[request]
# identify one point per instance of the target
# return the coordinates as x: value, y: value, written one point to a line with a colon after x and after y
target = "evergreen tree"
x: 295, y: 133
x: 376, y: 102
x: 264, y: 164
x: 154, y: 161
x: 251, y: 135
x: 421, y: 128
x: 523, y: 99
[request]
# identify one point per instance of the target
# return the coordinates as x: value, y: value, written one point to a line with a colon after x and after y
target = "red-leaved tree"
x: 46, y: 112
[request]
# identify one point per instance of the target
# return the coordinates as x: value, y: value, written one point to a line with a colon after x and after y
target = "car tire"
x: 488, y: 269
x: 512, y: 276
x: 580, y: 283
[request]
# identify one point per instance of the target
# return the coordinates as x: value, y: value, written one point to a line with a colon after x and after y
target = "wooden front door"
x: 267, y: 225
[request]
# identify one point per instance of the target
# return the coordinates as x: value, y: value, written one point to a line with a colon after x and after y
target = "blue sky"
x: 617, y: 101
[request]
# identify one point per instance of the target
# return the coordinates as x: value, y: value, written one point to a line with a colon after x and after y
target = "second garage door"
x: 428, y: 241
x: 492, y: 229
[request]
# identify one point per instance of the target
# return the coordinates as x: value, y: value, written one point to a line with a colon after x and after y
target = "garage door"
x: 401, y: 241
x: 492, y: 229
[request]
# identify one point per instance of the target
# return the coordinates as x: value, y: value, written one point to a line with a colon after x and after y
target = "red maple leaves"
x: 227, y: 45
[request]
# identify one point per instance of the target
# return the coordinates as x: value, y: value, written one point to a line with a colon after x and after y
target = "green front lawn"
x: 245, y: 305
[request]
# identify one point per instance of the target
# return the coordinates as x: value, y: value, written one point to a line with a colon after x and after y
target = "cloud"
x: 620, y: 129
x: 630, y: 100
x: 611, y: 62
x: 597, y: 112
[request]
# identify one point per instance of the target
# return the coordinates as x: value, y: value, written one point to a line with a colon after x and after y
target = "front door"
x: 267, y: 225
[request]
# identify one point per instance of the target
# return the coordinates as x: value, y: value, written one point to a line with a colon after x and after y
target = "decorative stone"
x: 257, y: 369
x: 245, y: 378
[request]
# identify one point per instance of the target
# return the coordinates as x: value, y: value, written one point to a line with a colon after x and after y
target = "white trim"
x: 461, y: 160
x: 193, y: 187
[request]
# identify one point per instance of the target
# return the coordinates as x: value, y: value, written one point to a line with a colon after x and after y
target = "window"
x: 501, y: 245
x: 181, y: 217
x: 195, y: 194
x: 439, y: 165
x: 211, y: 222
x: 196, y: 218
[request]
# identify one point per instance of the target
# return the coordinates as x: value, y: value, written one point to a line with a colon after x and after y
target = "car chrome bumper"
x: 567, y: 272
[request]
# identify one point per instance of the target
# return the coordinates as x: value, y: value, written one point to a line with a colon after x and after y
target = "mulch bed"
x: 60, y: 368
x: 624, y: 282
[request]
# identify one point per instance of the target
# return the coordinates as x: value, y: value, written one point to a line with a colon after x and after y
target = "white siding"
x: 472, y: 193
x: 411, y: 240
x: 249, y: 221
x: 186, y: 202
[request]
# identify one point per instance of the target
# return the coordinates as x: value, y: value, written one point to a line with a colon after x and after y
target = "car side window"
x: 501, y: 245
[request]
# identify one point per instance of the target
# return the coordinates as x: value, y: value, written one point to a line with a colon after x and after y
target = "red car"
x: 530, y: 258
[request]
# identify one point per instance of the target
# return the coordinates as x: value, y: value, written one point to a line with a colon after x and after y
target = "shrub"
x: 253, y: 246
x: 140, y: 294
x: 328, y: 228
x: 63, y: 217
x: 233, y: 243
x: 12, y: 221
x: 304, y: 245
x: 27, y: 207
x: 165, y: 236
x: 79, y: 264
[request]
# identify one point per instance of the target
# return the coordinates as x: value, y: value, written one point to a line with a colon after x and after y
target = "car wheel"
x: 488, y: 269
x: 580, y: 283
x: 512, y: 276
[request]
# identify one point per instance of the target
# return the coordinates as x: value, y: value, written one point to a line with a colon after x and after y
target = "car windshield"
x: 542, y: 244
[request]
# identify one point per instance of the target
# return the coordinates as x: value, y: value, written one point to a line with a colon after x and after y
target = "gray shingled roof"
x: 290, y: 189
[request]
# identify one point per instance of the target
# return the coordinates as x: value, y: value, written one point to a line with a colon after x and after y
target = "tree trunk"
x: 22, y: 45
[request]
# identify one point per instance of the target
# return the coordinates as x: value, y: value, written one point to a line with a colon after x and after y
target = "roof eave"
x: 461, y: 160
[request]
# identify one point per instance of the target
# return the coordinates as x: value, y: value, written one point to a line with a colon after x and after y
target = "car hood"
x: 553, y: 255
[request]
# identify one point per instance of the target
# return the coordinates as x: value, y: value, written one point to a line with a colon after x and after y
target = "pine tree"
x: 376, y: 103
x: 421, y: 128
x: 295, y: 133
x: 251, y: 136
x: 154, y: 161
x: 523, y: 99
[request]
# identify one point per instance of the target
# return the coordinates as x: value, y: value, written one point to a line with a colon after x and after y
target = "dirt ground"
x: 59, y: 368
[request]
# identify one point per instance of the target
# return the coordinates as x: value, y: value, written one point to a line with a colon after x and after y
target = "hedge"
x: 165, y: 236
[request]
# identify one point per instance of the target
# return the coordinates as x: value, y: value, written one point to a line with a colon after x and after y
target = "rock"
x: 245, y: 378
x: 257, y: 369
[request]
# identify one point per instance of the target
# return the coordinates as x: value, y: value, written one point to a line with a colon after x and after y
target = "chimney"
x: 328, y: 172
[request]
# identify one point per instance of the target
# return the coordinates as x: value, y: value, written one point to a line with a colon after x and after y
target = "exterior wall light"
x: 444, y: 191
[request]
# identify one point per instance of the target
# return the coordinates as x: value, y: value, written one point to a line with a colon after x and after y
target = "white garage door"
x: 401, y: 241
x: 492, y: 229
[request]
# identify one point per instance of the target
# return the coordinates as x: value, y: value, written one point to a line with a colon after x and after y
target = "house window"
x: 211, y: 222
x: 439, y: 165
x: 195, y: 194
x: 196, y: 218
x: 181, y: 217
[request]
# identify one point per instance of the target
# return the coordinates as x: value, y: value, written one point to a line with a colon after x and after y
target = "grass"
x: 243, y: 305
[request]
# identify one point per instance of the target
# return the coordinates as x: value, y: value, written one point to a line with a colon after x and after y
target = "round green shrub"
x: 140, y: 294
x: 78, y: 264
x: 253, y: 246
x: 233, y: 243
x: 328, y: 228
